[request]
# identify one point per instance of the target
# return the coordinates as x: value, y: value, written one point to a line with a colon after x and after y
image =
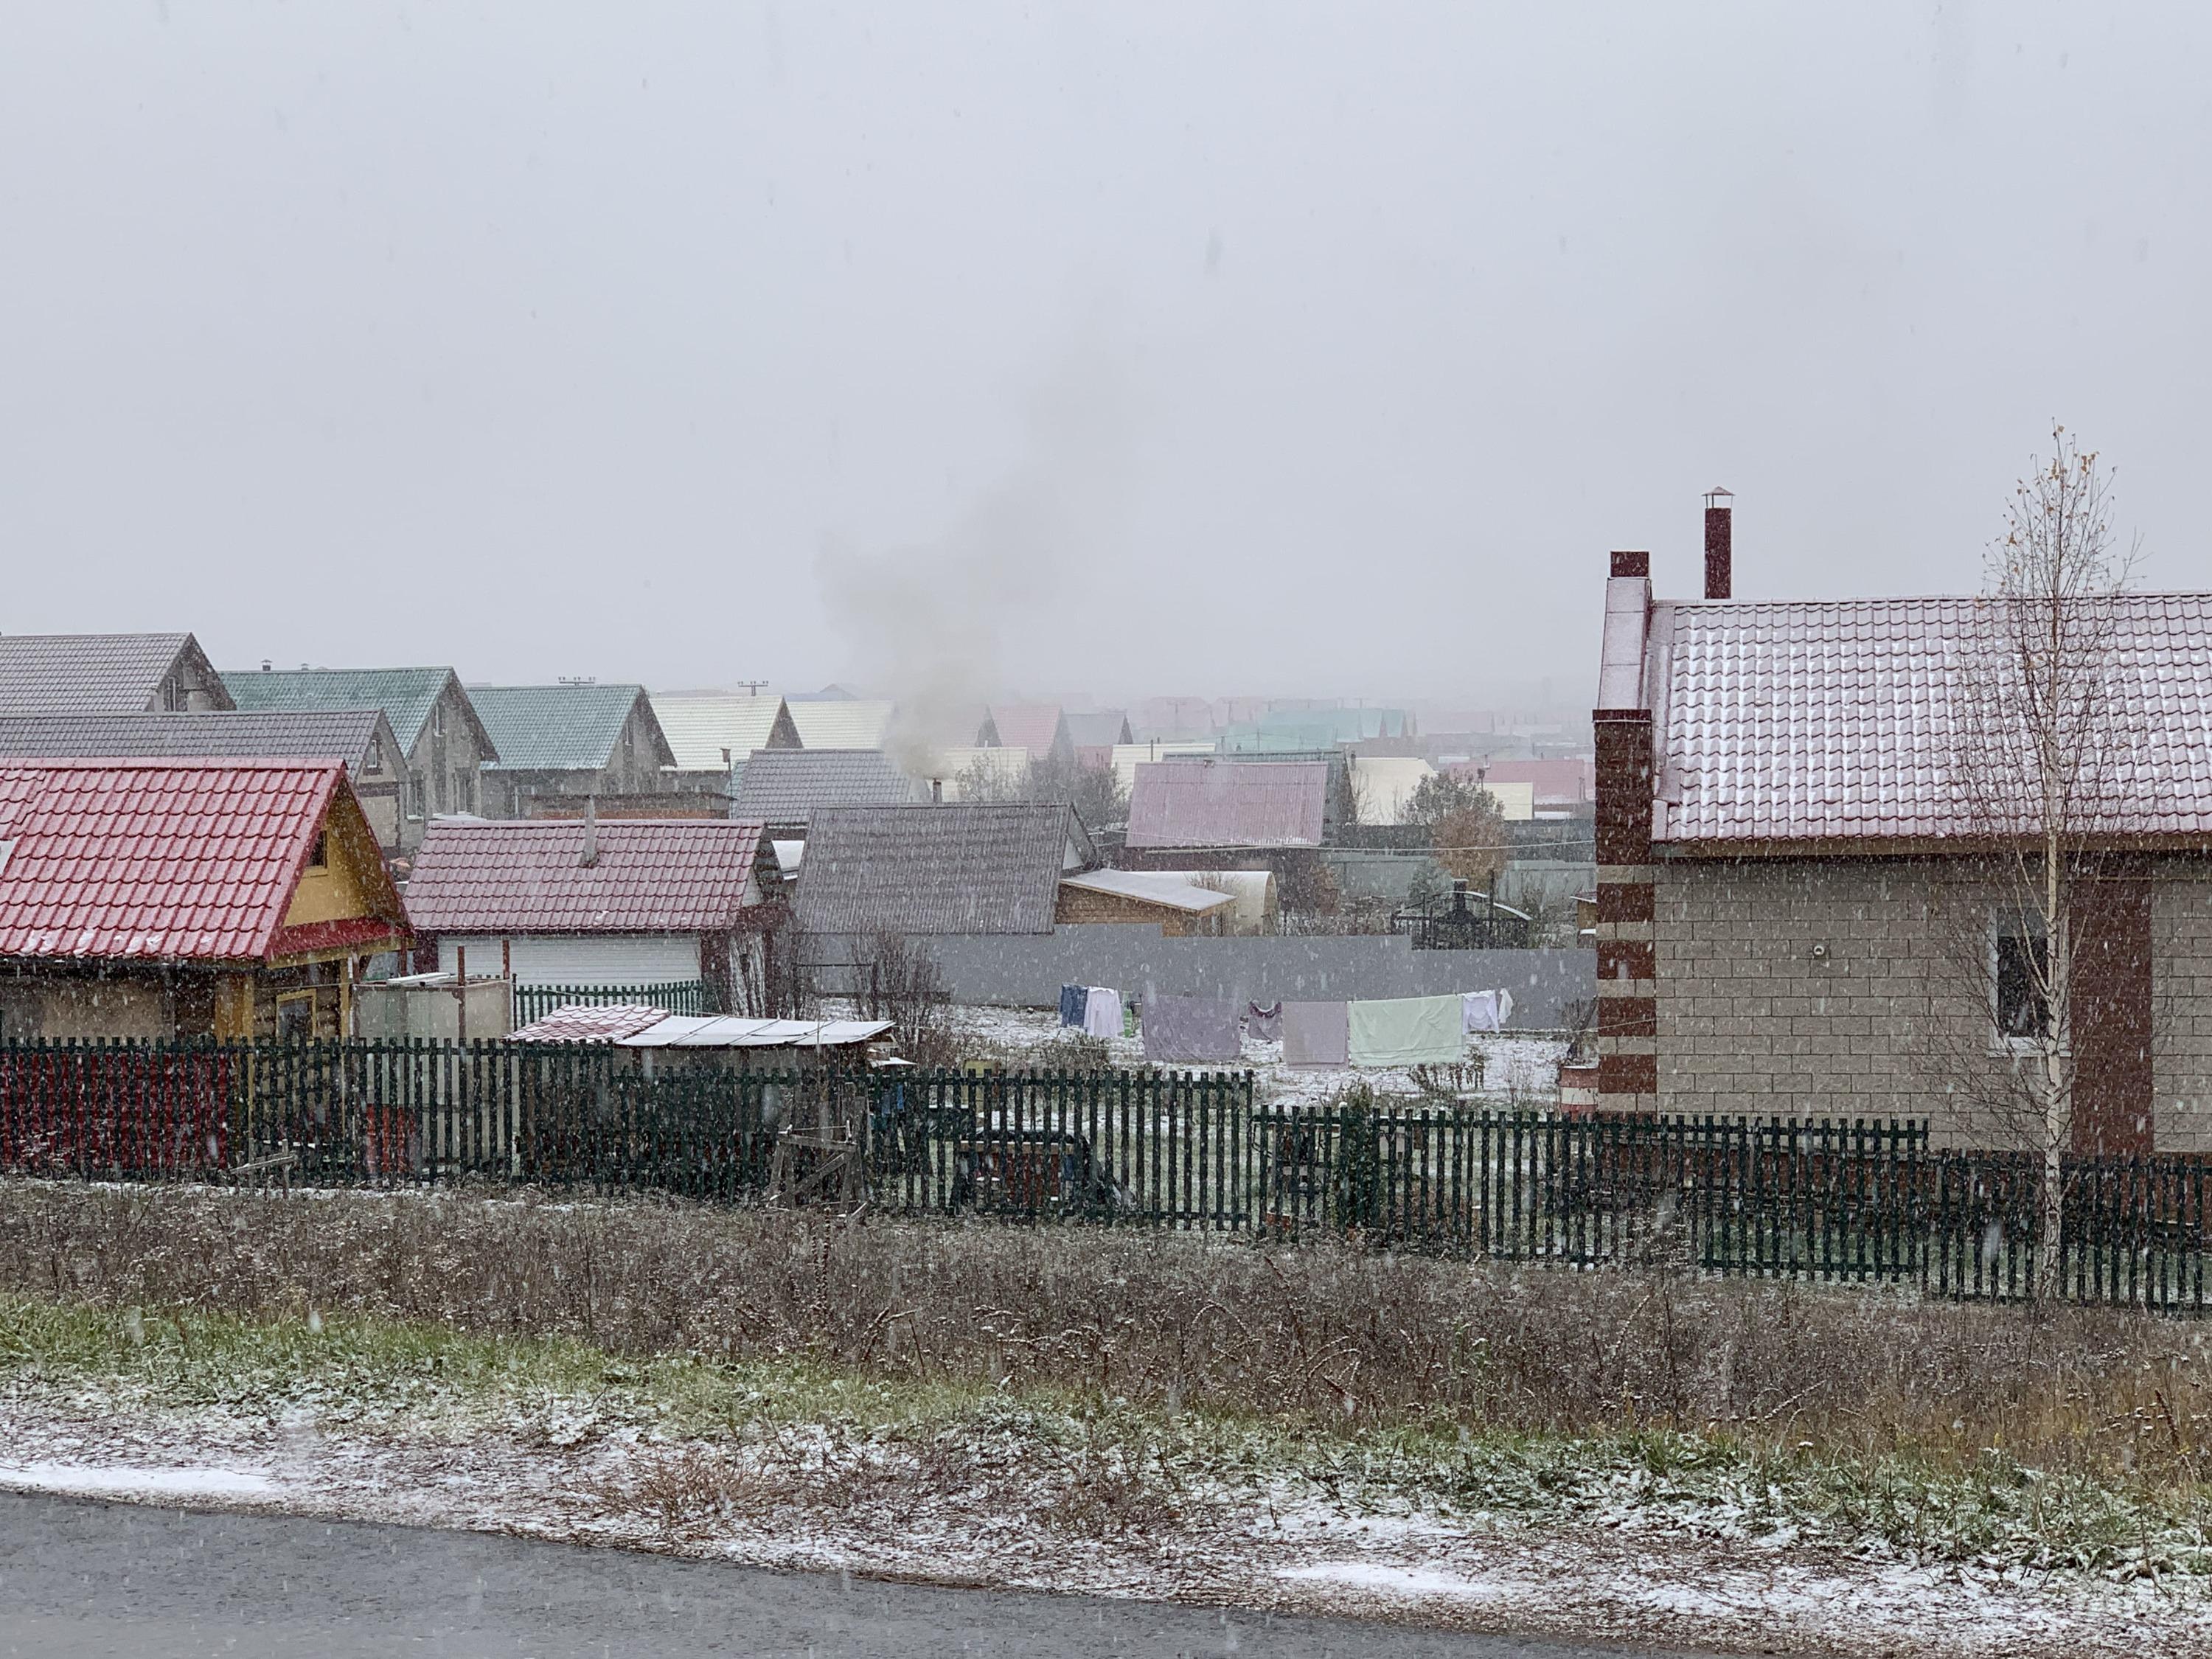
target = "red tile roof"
x: 171, y: 860
x: 1817, y: 721
x: 652, y: 876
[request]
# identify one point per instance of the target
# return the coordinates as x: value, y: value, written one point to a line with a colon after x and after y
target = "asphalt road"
x: 80, y: 1579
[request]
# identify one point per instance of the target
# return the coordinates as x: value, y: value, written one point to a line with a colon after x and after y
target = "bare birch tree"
x: 2038, y: 759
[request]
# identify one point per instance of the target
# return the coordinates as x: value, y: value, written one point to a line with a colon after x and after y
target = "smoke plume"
x: 929, y: 624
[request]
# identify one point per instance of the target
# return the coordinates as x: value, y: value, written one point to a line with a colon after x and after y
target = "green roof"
x: 556, y: 728
x: 405, y: 695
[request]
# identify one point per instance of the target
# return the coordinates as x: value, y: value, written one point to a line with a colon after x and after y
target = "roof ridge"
x: 1742, y: 603
x: 171, y: 763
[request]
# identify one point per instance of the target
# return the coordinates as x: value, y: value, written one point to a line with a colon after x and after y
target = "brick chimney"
x: 1627, y: 1072
x: 1720, y: 544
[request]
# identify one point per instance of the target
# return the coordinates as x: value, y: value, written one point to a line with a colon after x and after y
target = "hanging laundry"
x: 1072, y: 999
x: 1267, y: 1021
x: 1487, y: 1011
x: 1186, y: 1029
x: 1102, y: 1011
x: 1408, y: 1032
x: 1314, y: 1034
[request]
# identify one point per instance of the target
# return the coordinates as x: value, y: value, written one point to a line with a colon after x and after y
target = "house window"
x: 318, y: 856
x: 375, y: 755
x: 464, y: 796
x: 2023, y: 1011
x: 437, y: 720
x: 295, y: 1015
x: 413, y: 794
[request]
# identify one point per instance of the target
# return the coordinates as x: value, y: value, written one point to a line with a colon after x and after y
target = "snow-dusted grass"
x: 1092, y: 1409
x: 791, y: 1460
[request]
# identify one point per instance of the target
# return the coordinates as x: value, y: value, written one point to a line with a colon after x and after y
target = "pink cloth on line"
x: 1317, y: 1034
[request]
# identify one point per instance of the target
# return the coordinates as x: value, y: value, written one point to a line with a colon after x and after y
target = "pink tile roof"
x: 1031, y: 726
x: 174, y: 859
x: 1821, y: 720
x: 652, y: 876
x: 1228, y: 803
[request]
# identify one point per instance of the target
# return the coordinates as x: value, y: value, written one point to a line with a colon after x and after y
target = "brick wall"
x: 1822, y: 989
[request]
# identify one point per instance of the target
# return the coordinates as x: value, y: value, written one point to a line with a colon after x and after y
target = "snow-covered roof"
x: 1176, y: 892
x: 639, y: 1025
x: 1812, y: 721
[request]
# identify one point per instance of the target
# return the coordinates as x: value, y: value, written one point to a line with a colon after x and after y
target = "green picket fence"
x: 685, y: 996
x: 1858, y: 1200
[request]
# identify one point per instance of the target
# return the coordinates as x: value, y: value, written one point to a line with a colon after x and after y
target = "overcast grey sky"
x: 1267, y: 347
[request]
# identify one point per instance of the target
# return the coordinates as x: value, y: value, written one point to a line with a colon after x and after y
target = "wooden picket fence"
x: 1859, y: 1200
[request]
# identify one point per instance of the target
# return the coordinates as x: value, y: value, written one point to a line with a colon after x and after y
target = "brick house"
x: 1781, y: 861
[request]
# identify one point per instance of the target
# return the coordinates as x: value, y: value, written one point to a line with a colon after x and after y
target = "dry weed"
x: 1315, y: 1334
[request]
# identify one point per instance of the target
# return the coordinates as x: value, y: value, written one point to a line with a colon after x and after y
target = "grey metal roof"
x: 1099, y: 730
x: 346, y: 734
x: 967, y: 868
x: 87, y: 673
x: 562, y: 728
x: 789, y: 786
x: 405, y: 695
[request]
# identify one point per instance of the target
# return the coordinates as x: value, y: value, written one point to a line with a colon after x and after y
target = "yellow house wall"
x: 344, y: 886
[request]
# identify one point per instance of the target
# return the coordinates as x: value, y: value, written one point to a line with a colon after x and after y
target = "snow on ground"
x: 567, y: 1471
x: 127, y: 1480
x: 1516, y: 1071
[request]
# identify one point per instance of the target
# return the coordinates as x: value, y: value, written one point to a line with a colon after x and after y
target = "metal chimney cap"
x: 1717, y: 496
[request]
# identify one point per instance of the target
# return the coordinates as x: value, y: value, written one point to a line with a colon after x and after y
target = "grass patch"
x: 795, y: 1437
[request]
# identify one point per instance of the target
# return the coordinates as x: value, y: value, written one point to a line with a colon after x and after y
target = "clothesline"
x: 1392, y: 1031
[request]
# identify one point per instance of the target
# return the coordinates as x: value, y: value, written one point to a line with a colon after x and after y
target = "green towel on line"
x: 1408, y: 1032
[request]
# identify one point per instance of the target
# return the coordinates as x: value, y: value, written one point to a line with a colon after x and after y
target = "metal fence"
x: 1825, y: 1201
x: 683, y: 996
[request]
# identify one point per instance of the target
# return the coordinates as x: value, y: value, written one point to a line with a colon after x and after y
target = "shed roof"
x: 841, y: 723
x: 1223, y: 803
x: 90, y: 673
x: 562, y: 728
x: 639, y: 1025
x: 348, y: 734
x: 405, y: 695
x: 788, y: 785
x: 167, y: 860
x: 527, y: 876
x: 1816, y: 720
x: 1175, y: 891
x: 969, y: 868
x: 709, y: 730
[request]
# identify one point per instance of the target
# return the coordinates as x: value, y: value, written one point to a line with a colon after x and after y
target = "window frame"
x: 2004, y: 927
